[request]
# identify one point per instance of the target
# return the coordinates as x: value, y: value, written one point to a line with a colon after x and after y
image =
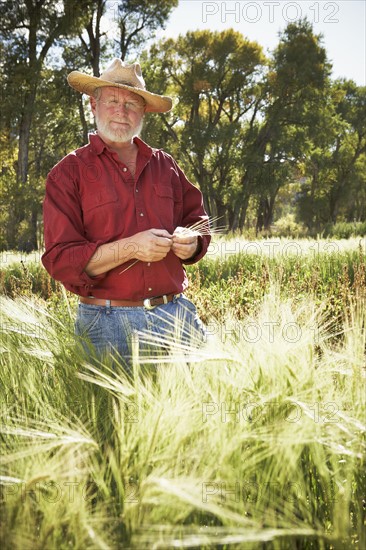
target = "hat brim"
x: 88, y: 84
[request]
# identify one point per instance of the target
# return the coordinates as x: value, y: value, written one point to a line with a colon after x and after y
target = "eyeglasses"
x: 132, y: 106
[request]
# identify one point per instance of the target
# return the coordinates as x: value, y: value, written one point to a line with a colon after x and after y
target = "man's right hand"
x: 152, y: 245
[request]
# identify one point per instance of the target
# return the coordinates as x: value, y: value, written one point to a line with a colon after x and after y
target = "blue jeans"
x: 117, y: 332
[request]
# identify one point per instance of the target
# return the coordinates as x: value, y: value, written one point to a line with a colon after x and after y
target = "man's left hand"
x: 185, y: 242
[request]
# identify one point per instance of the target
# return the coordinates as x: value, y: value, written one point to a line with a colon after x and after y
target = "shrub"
x: 345, y: 230
x: 288, y: 227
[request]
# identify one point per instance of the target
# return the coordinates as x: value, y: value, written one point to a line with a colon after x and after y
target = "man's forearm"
x: 110, y: 255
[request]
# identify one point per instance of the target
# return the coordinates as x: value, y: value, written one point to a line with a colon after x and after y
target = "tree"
x: 214, y: 75
x: 335, y: 160
x: 29, y: 29
x: 294, y: 89
x: 138, y: 20
x: 93, y: 48
x: 349, y: 145
x: 241, y: 131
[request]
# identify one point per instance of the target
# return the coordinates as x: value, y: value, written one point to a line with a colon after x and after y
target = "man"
x: 113, y: 217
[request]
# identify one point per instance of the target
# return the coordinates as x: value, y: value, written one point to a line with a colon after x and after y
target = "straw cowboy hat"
x: 121, y: 75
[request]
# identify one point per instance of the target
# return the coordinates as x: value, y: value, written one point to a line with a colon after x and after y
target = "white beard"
x: 119, y: 135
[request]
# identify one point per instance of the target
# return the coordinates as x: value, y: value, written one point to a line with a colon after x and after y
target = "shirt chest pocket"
x: 168, y: 206
x: 102, y: 215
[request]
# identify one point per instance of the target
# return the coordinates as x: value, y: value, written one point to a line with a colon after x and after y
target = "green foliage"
x: 288, y: 227
x: 346, y: 230
x: 26, y: 278
x: 295, y: 87
x: 21, y: 73
x: 139, y: 20
x: 335, y: 160
x: 300, y: 61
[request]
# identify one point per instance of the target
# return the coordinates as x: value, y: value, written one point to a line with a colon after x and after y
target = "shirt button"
x: 124, y: 169
x: 141, y: 213
x: 149, y: 289
x: 137, y: 190
x: 148, y: 264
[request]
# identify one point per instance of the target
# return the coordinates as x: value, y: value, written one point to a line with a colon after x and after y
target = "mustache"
x: 123, y: 120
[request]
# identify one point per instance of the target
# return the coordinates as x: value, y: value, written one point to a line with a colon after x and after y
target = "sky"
x: 342, y: 24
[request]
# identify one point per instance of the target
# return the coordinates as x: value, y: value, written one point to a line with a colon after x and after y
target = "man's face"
x: 118, y: 114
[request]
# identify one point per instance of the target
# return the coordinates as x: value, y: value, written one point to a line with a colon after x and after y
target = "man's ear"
x: 93, y: 104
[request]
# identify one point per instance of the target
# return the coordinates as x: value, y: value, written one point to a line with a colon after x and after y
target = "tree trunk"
x: 269, y: 212
x: 240, y: 212
x: 265, y: 213
x: 84, y: 124
x: 32, y: 243
x: 221, y: 212
x: 17, y: 207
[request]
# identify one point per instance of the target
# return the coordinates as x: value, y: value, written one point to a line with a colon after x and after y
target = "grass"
x: 258, y: 441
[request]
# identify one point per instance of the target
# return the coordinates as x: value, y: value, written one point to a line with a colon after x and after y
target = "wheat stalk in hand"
x: 199, y: 229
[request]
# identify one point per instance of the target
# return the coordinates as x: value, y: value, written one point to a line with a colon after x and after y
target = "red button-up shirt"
x: 92, y: 199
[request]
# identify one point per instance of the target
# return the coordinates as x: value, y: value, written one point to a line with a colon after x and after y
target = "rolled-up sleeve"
x: 194, y: 214
x: 67, y: 250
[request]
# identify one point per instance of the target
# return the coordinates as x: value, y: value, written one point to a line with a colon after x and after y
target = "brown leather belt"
x: 148, y: 303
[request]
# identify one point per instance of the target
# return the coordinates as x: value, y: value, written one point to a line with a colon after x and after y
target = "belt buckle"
x: 147, y: 301
x: 147, y: 304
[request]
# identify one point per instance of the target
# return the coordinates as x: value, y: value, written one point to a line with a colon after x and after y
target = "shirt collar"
x: 98, y: 146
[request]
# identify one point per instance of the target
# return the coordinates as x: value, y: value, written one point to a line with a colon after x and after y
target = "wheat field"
x: 256, y: 440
